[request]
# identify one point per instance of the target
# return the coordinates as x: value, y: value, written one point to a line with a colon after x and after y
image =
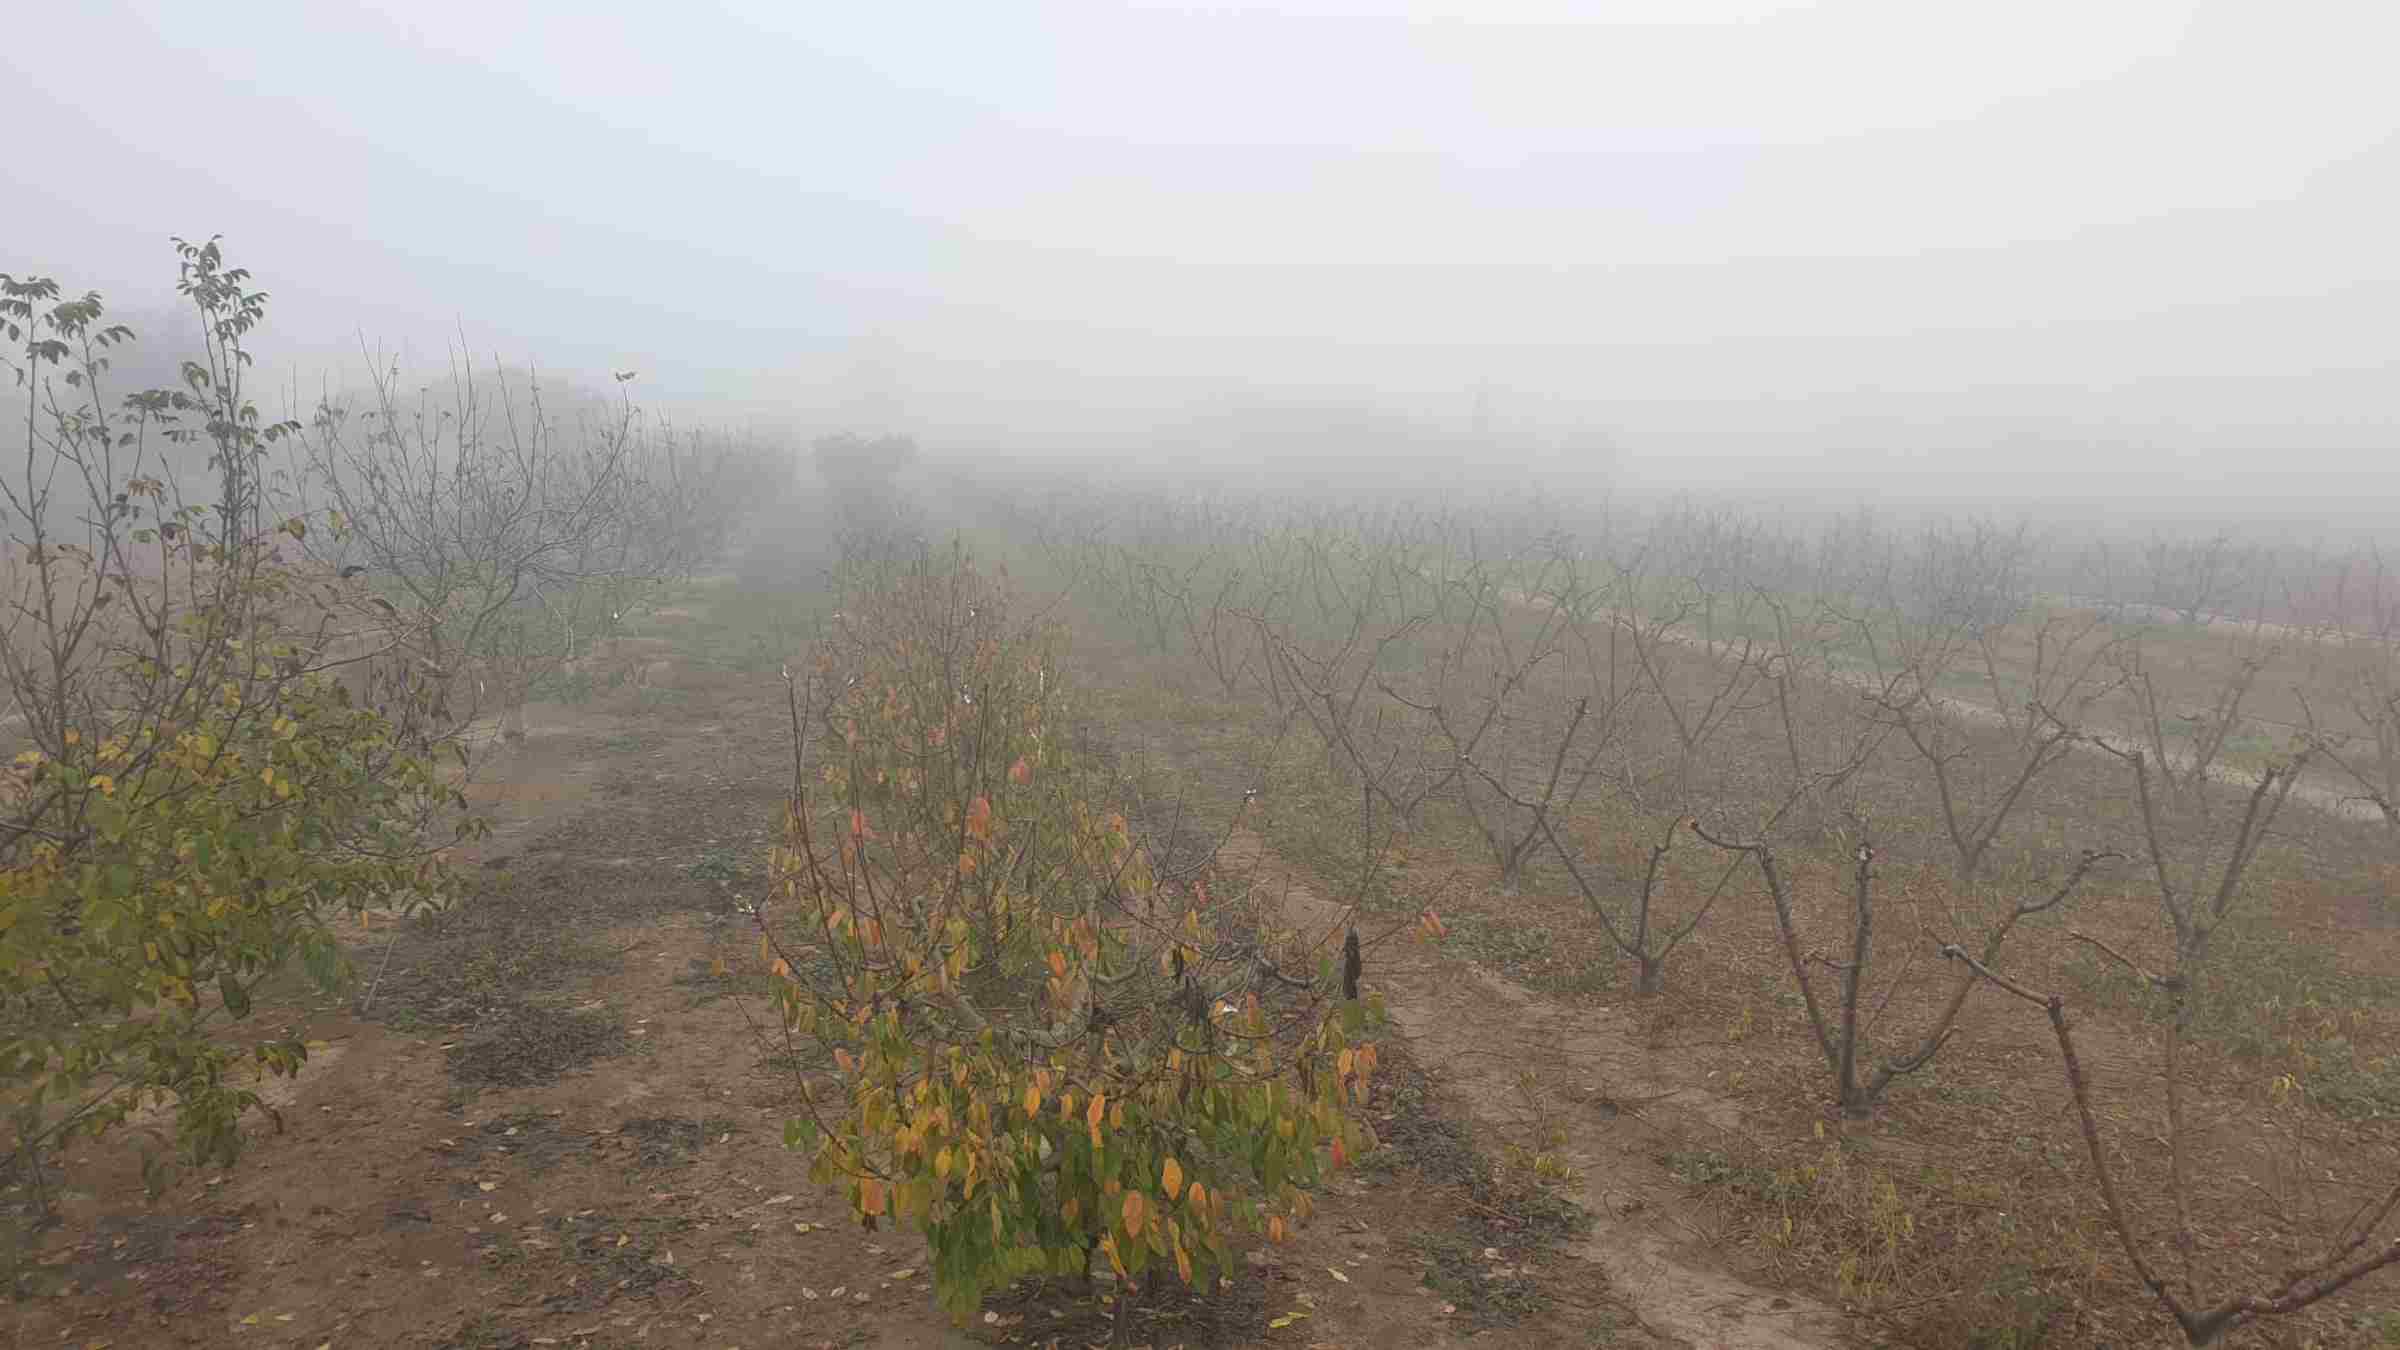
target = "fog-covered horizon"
x: 2131, y: 260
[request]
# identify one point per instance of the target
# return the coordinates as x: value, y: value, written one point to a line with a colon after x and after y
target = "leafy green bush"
x: 194, y: 788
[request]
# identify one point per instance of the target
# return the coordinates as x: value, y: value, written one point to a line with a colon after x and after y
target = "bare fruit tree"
x: 1841, y: 1033
x: 2196, y: 578
x: 523, y: 535
x: 2358, y: 1248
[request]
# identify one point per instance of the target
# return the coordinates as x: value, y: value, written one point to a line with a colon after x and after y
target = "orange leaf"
x: 1341, y: 1156
x: 1020, y: 773
x: 1275, y: 1229
x: 1058, y: 964
x: 1093, y: 1116
x: 870, y: 1196
x: 1135, y: 1210
x: 1170, y: 1178
x: 1033, y: 1099
x: 979, y: 818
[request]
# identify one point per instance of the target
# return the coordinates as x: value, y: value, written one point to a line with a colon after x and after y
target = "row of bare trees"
x: 1645, y: 708
x: 503, y: 530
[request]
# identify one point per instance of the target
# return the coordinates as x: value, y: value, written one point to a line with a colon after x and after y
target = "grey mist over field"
x: 2133, y: 257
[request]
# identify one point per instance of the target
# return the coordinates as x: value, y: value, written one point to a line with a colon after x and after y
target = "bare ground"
x: 550, y: 1117
x: 1624, y: 1096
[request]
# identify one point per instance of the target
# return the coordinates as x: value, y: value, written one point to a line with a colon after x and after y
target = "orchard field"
x: 488, y: 880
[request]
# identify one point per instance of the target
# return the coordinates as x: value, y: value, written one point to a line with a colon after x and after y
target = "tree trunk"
x: 1651, y: 975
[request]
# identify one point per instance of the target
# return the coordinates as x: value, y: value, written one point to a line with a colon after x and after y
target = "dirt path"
x: 2325, y: 796
x: 547, y: 1118
x: 540, y: 1119
x: 1624, y: 1103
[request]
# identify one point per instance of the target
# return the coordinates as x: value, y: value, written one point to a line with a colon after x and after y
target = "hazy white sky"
x: 2175, y: 220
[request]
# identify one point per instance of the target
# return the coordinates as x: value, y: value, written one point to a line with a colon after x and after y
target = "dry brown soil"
x: 547, y: 1118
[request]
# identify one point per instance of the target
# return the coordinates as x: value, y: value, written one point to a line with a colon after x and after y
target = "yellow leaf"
x: 1337, y: 1275
x: 1345, y: 1062
x: 941, y: 1164
x: 1170, y: 1178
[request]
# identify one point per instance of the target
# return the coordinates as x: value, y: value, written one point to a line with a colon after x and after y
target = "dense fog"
x: 2132, y: 260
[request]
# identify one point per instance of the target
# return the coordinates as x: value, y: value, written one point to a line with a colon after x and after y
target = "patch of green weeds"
x: 1526, y: 953
x: 2349, y: 1083
x: 2265, y: 991
x: 718, y: 864
x: 1709, y: 1168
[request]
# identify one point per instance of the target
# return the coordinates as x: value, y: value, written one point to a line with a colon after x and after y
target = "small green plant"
x: 718, y: 864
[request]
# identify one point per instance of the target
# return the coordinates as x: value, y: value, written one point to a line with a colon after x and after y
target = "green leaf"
x: 237, y: 999
x: 800, y: 1133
